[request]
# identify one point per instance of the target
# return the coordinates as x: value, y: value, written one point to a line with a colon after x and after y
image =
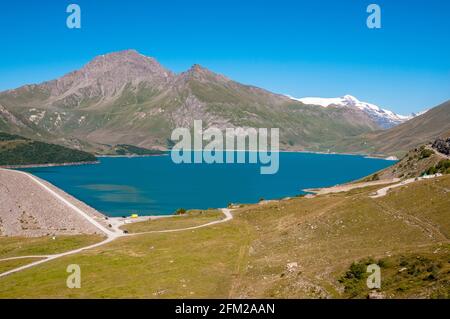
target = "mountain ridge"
x: 385, y: 118
x: 127, y: 98
x: 398, y: 140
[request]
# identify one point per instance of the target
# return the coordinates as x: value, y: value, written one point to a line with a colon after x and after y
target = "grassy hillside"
x: 399, y: 139
x: 17, y: 150
x: 21, y: 246
x: 301, y: 247
x: 423, y: 160
x: 125, y: 149
x: 190, y: 219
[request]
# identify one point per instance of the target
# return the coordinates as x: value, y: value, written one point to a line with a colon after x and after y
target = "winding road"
x: 383, y: 191
x: 110, y: 235
x: 117, y: 233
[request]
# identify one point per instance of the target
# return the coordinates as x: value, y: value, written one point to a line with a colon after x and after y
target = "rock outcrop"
x: 442, y: 145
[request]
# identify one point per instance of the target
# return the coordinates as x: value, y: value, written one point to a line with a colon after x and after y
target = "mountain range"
x: 127, y: 98
x: 420, y: 130
x: 384, y: 118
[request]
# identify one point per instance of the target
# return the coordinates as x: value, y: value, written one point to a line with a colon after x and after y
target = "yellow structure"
x: 134, y: 215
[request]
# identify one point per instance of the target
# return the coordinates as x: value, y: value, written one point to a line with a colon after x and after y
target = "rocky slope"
x: 398, y: 140
x: 127, y: 98
x: 442, y: 146
x: 427, y: 159
x: 31, y: 211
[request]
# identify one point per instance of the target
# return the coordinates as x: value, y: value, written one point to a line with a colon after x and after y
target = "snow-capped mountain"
x: 419, y: 113
x: 384, y: 118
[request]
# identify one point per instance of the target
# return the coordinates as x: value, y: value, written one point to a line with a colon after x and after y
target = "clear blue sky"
x: 301, y: 48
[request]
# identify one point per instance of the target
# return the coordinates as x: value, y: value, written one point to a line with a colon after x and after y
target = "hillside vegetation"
x: 294, y: 248
x: 17, y: 150
x: 125, y: 149
x: 423, y: 160
x: 400, y: 139
x: 190, y: 218
x: 26, y: 246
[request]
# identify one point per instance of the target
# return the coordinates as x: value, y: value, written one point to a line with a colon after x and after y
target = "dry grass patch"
x: 189, y: 264
x: 190, y: 219
x: 297, y: 248
x: 21, y: 246
x: 6, y: 265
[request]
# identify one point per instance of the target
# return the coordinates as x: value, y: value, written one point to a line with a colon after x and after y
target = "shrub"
x: 431, y: 170
x: 357, y: 270
x: 425, y: 153
x: 180, y: 211
x: 442, y: 167
x: 354, y: 279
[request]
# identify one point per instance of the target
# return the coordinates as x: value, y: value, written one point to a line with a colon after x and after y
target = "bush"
x: 354, y: 279
x: 442, y: 167
x: 431, y: 170
x: 357, y: 270
x: 425, y: 153
x: 180, y: 211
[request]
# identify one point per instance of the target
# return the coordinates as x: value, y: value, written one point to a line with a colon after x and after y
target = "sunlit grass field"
x: 250, y: 255
x: 192, y: 218
x: 20, y: 246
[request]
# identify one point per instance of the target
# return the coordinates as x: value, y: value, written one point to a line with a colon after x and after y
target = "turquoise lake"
x: 156, y: 186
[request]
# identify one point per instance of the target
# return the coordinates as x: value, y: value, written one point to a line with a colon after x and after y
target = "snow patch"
x: 383, y: 117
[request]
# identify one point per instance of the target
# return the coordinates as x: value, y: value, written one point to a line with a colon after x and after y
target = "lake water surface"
x: 156, y: 186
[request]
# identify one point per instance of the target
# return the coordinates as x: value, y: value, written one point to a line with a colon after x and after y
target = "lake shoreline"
x: 76, y: 163
x: 49, y: 165
x: 374, y: 156
x: 131, y: 156
x: 146, y: 186
x: 388, y: 158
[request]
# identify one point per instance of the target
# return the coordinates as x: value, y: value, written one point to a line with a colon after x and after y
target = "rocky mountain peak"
x: 130, y: 58
x: 127, y: 64
x: 201, y: 73
x: 106, y: 75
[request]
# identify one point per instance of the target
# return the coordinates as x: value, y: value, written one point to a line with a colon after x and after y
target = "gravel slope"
x: 27, y: 209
